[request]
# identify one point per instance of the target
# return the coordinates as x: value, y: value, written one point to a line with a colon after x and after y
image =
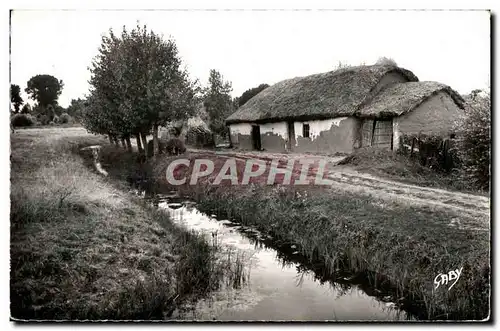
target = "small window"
x: 305, y: 130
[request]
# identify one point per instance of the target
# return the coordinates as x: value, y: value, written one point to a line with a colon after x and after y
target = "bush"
x: 55, y: 119
x: 175, y: 146
x: 475, y: 140
x: 65, y: 118
x: 435, y: 152
x: 21, y: 120
x: 43, y: 119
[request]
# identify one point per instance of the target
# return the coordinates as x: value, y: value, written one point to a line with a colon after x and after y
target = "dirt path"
x: 475, y: 208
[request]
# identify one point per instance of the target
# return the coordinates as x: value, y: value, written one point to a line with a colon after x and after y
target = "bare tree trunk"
x: 229, y: 138
x: 129, y: 144
x: 156, y: 149
x: 145, y: 144
x: 115, y: 139
x: 110, y: 139
x: 213, y: 139
x: 123, y: 143
x: 139, y: 145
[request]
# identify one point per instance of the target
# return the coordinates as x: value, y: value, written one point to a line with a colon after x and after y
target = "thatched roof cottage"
x: 345, y: 109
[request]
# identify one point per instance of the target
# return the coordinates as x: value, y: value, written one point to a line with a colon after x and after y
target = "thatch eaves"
x: 401, y: 98
x: 325, y: 95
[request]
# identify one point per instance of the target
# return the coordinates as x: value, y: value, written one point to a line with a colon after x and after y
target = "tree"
x: 137, y: 84
x: 250, y: 93
x: 386, y: 61
x: 76, y: 108
x: 218, y: 102
x: 26, y: 109
x: 15, y: 97
x: 474, y: 139
x: 44, y: 89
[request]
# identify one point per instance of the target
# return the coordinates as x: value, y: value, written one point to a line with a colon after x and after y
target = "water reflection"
x: 284, y: 284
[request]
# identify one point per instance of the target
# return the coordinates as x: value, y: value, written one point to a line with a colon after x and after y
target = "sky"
x: 254, y: 47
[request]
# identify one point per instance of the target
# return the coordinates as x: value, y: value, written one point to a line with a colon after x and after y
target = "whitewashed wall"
x: 278, y: 128
x: 240, y: 128
x: 316, y: 127
x: 395, y: 134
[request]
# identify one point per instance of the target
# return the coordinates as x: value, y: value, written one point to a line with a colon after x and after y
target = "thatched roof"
x: 400, y: 98
x: 325, y: 95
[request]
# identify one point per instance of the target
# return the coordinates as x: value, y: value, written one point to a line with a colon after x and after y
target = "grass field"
x: 83, y: 248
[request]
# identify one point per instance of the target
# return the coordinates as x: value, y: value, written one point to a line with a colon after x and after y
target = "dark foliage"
x: 250, y: 93
x: 21, y: 120
x: 175, y: 146
x: 15, y: 97
x: 474, y: 139
x: 45, y: 89
x: 434, y: 152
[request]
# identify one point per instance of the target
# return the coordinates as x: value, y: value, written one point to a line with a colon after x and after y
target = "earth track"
x: 473, y: 209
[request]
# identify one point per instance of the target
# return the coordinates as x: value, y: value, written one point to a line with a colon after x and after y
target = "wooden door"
x: 382, y: 134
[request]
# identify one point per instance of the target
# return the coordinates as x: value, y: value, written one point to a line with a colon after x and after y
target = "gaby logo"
x: 443, y: 279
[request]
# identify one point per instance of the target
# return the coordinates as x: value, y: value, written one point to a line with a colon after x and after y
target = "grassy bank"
x: 405, y: 245
x: 82, y: 248
x: 401, y: 168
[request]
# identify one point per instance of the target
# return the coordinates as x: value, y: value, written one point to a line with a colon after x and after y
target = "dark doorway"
x: 256, y: 137
x: 291, y: 136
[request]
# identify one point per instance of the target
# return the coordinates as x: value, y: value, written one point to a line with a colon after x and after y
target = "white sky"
x: 254, y: 47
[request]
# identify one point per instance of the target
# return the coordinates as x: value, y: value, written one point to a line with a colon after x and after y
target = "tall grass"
x: 392, y: 242
x: 81, y: 248
x: 408, y: 246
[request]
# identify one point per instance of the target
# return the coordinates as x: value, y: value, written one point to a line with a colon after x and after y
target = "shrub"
x: 474, y: 140
x: 55, y: 119
x: 435, y: 152
x: 175, y: 146
x: 43, y: 119
x: 20, y: 120
x: 65, y: 118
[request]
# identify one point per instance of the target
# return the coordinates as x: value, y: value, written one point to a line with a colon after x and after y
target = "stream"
x: 280, y: 287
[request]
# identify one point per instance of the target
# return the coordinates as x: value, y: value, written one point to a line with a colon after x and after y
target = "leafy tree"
x: 137, y: 84
x: 76, y: 108
x: 250, y: 93
x: 15, y: 97
x: 45, y: 89
x: 236, y: 103
x: 26, y: 109
x: 218, y: 102
x: 474, y: 139
x: 59, y: 110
